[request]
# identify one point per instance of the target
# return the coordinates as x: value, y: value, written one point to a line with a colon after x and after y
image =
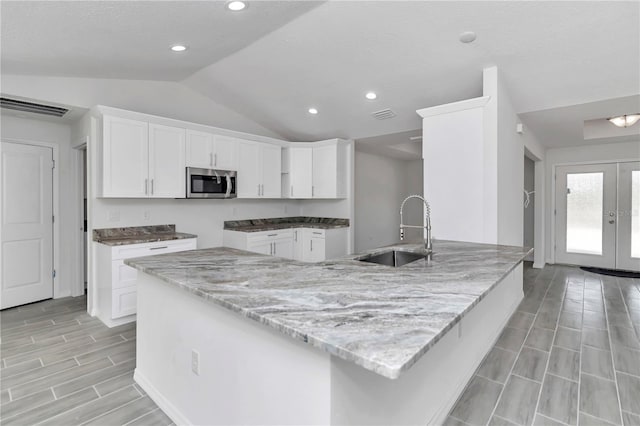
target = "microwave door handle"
x: 228, y: 185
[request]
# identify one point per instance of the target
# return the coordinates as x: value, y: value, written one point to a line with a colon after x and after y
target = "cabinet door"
x: 283, y: 248
x: 316, y: 249
x: 166, y: 162
x: 125, y: 158
x: 300, y: 172
x: 199, y: 149
x: 325, y: 171
x: 261, y: 246
x: 298, y: 246
x: 271, y: 171
x: 225, y: 153
x: 249, y: 181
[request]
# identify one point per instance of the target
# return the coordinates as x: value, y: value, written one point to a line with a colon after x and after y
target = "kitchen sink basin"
x: 393, y: 258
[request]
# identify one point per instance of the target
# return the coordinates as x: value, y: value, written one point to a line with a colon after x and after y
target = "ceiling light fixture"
x: 625, y: 120
x: 313, y: 111
x: 179, y: 48
x: 467, y: 37
x: 371, y: 96
x: 236, y: 5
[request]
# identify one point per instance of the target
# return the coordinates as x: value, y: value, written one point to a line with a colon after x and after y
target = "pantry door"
x: 628, y: 253
x: 27, y: 224
x: 586, y: 215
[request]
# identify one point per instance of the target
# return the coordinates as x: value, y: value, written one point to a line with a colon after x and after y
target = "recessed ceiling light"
x: 627, y: 120
x: 467, y: 36
x: 313, y: 111
x: 371, y: 96
x: 236, y: 5
x: 179, y: 47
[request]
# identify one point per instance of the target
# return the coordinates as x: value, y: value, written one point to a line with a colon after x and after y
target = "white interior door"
x: 585, y: 215
x: 27, y: 224
x: 628, y: 252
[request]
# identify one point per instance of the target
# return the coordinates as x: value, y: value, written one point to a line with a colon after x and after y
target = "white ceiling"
x: 276, y: 59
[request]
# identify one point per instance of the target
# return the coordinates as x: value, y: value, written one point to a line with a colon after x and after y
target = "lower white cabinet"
x: 117, y: 293
x: 304, y: 244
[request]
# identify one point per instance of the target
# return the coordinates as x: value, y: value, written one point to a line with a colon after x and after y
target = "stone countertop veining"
x: 272, y: 224
x: 138, y: 235
x: 381, y: 318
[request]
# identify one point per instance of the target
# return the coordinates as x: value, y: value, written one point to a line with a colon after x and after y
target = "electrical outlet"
x: 114, y: 215
x: 146, y: 215
x: 195, y: 362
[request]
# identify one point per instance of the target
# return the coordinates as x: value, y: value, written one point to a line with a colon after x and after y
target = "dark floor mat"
x: 611, y: 272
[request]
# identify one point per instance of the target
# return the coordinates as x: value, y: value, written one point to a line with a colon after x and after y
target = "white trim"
x: 454, y: 107
x: 56, y: 206
x: 167, y: 407
x: 77, y: 285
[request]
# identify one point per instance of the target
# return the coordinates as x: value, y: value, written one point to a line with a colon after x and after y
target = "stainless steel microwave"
x: 209, y: 183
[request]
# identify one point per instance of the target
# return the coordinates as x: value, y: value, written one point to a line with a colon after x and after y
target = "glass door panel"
x: 584, y: 212
x: 628, y: 216
x: 585, y: 199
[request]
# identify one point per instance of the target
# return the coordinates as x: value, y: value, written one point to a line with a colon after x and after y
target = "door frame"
x: 553, y: 193
x: 77, y: 286
x: 56, y: 206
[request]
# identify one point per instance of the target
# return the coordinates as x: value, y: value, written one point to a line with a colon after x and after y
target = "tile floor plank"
x: 599, y: 398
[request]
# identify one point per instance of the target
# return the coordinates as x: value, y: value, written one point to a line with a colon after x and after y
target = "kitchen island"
x: 338, y: 342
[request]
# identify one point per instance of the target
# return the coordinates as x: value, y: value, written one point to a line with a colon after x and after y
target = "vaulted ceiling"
x: 276, y: 59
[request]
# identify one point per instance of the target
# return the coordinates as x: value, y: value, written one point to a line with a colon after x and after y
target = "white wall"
x: 382, y: 183
x: 607, y: 152
x: 28, y: 130
x: 162, y: 98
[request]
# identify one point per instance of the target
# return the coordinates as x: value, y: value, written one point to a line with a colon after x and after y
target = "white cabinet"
x: 125, y: 154
x: 316, y: 171
x: 117, y: 292
x: 166, y: 162
x: 304, y: 244
x: 209, y: 151
x: 142, y: 160
x: 273, y: 243
x: 259, y: 170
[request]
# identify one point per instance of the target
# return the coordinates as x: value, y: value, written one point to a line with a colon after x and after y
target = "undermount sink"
x: 393, y: 258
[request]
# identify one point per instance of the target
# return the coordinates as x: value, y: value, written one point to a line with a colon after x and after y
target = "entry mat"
x: 611, y: 272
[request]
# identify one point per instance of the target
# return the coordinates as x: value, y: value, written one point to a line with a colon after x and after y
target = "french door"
x: 598, y: 215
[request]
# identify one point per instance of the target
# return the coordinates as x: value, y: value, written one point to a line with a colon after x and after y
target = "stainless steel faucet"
x: 427, y: 223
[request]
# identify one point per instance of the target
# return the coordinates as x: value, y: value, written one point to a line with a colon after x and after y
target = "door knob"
x: 612, y: 221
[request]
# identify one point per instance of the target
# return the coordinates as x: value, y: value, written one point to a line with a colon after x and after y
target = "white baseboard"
x: 168, y: 408
x: 538, y: 265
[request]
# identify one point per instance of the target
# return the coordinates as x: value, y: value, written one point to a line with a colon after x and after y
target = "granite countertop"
x: 272, y: 224
x: 138, y: 235
x: 381, y: 318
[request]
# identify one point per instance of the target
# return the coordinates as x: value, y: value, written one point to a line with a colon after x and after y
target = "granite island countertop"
x: 273, y: 224
x: 138, y: 235
x: 381, y: 318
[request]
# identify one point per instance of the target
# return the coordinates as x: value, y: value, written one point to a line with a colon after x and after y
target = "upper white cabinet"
x: 259, y: 171
x: 142, y: 160
x: 125, y: 157
x: 166, y: 162
x: 209, y: 151
x: 317, y: 171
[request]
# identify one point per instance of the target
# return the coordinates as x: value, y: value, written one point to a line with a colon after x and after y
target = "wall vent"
x: 23, y: 106
x: 383, y: 114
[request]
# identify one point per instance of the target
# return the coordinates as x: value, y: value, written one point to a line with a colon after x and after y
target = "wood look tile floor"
x: 62, y: 367
x: 570, y: 355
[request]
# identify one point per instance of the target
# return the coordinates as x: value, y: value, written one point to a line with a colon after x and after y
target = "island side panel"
x: 426, y: 392
x: 249, y: 373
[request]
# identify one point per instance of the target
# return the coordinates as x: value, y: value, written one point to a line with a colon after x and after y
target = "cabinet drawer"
x: 123, y: 302
x: 315, y: 233
x: 270, y: 235
x: 149, y: 249
x: 122, y: 275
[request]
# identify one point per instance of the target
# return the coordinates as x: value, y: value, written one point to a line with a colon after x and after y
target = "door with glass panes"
x: 598, y: 215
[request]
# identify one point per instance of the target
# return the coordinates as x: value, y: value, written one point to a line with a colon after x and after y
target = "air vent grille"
x: 383, y: 114
x: 23, y: 106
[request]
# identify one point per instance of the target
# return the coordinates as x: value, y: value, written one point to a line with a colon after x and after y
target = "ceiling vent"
x: 23, y: 106
x: 383, y: 114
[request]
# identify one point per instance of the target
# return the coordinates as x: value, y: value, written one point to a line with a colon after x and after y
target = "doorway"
x: 597, y: 215
x: 27, y: 224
